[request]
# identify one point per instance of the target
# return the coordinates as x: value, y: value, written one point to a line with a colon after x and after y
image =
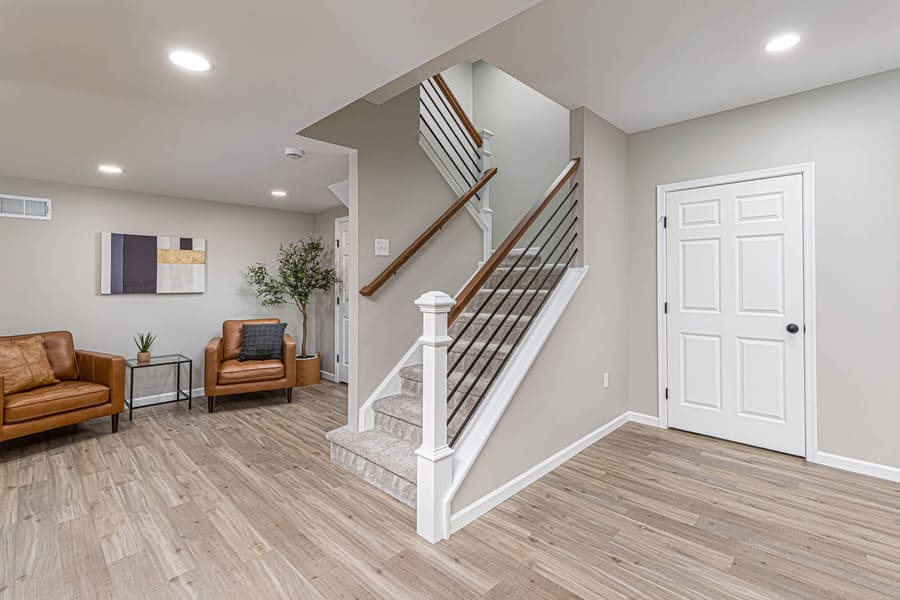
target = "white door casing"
x: 342, y: 299
x: 734, y: 282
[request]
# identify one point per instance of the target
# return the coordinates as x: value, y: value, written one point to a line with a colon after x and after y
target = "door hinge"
x: 665, y: 222
x: 667, y: 393
x: 665, y: 308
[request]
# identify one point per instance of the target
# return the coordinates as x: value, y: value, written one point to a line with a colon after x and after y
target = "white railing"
x: 434, y: 458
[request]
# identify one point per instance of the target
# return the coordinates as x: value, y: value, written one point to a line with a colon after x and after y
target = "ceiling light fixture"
x: 110, y: 169
x: 190, y: 61
x: 782, y: 42
x: 279, y: 193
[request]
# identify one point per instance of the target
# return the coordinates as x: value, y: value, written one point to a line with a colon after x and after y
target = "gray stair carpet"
x: 385, y: 456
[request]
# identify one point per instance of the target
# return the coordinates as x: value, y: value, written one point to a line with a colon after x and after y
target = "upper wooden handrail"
x: 484, y: 273
x: 460, y: 113
x: 420, y: 241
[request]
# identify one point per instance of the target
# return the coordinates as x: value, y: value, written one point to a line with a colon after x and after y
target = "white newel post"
x: 486, y: 211
x: 434, y: 462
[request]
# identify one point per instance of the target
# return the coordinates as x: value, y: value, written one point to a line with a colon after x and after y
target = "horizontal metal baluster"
x: 514, y: 266
x: 496, y: 374
x: 499, y: 327
x: 452, y: 129
x: 509, y: 290
x: 461, y: 159
x: 456, y: 119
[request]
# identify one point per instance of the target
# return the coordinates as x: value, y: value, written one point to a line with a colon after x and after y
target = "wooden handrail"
x: 484, y: 273
x: 460, y: 113
x: 420, y: 241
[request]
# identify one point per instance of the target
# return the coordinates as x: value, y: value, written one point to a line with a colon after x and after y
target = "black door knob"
x: 793, y: 328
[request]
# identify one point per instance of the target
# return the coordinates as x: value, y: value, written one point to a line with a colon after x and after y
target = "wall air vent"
x: 24, y: 207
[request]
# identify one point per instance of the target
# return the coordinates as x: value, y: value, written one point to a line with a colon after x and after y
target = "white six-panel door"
x: 734, y: 286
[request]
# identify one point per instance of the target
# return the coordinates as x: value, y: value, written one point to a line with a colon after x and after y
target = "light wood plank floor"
x: 244, y: 503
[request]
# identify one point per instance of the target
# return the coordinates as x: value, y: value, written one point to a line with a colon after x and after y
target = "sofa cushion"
x: 232, y: 335
x: 24, y: 365
x: 262, y: 341
x: 60, y: 351
x: 234, y: 371
x: 53, y: 399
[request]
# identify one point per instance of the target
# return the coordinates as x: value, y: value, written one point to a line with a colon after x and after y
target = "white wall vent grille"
x: 24, y: 207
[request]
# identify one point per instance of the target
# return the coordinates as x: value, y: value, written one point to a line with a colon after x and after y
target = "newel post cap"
x: 435, y: 302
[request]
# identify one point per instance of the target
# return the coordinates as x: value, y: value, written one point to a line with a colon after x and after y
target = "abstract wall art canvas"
x: 151, y: 264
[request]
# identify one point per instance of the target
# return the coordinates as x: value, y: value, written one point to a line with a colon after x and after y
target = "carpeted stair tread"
x: 387, y: 451
x: 401, y: 406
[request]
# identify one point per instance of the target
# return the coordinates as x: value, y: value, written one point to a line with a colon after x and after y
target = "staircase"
x: 483, y: 340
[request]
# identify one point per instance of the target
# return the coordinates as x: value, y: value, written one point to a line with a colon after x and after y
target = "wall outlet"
x: 606, y: 380
x: 382, y: 247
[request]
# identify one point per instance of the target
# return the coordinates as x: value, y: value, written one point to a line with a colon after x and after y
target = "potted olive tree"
x: 299, y: 273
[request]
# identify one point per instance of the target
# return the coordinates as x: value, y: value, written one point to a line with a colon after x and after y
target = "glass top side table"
x: 176, y: 360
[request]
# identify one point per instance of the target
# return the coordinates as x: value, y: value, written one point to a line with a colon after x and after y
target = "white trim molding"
x: 328, y: 376
x: 857, y: 466
x: 466, y: 515
x: 807, y: 171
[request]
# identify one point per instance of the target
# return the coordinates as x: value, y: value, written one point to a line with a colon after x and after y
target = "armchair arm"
x: 212, y: 357
x: 2, y: 401
x: 105, y: 369
x: 289, y: 354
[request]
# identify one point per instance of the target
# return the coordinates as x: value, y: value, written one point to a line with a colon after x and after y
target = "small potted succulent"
x: 143, y: 341
x: 300, y: 272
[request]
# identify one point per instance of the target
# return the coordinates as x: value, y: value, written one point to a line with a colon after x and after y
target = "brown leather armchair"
x: 91, y: 385
x: 224, y: 374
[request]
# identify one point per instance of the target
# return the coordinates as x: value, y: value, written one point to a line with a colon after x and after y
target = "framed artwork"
x: 151, y: 264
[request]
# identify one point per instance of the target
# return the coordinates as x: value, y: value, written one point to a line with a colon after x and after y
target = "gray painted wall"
x: 322, y: 305
x: 562, y: 398
x: 51, y: 270
x: 530, y: 147
x: 400, y: 194
x: 852, y: 132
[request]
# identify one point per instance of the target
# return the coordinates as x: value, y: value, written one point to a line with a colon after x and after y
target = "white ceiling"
x: 88, y: 81
x: 645, y: 63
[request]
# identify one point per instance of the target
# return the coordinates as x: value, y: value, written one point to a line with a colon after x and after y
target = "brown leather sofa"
x: 91, y: 385
x: 224, y: 374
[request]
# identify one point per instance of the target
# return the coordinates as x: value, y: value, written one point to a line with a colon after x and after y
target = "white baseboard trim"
x: 466, y: 515
x: 167, y: 397
x: 328, y: 376
x: 643, y: 419
x: 857, y: 466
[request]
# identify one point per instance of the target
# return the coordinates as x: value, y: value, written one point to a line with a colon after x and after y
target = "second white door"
x: 734, y: 327
x: 342, y: 300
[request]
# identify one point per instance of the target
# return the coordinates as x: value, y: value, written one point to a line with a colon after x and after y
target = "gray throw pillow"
x: 262, y: 341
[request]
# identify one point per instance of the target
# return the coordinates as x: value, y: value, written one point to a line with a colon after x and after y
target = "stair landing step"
x: 387, y: 451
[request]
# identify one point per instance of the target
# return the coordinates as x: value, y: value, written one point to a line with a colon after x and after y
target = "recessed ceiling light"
x: 190, y: 61
x: 782, y: 42
x: 110, y: 169
x: 279, y: 193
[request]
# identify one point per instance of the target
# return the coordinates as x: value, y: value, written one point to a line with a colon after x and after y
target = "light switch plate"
x: 382, y: 247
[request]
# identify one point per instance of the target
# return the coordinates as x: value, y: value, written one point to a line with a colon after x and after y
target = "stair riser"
x: 412, y: 387
x: 381, y: 478
x: 513, y: 256
x: 533, y: 278
x: 398, y: 428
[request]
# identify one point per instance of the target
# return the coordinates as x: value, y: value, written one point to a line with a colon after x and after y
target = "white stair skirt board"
x: 466, y: 515
x: 855, y: 465
x: 494, y: 404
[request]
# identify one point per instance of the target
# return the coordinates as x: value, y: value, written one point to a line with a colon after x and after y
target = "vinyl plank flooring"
x: 245, y: 503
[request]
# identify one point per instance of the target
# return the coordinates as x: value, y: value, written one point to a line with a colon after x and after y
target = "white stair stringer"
x: 498, y: 397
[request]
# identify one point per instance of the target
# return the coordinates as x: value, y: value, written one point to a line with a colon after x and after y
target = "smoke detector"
x: 294, y: 153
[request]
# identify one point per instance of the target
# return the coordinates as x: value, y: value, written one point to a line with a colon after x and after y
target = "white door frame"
x: 807, y: 171
x: 337, y: 293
